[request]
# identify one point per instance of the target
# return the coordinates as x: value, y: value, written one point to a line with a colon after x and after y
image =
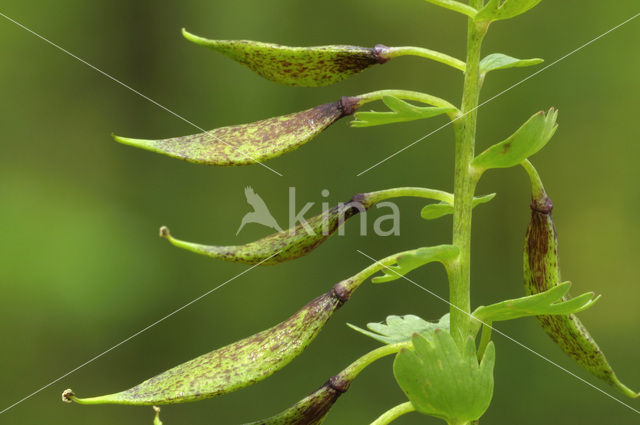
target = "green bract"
x: 496, y: 61
x: 526, y: 141
x: 401, y: 328
x: 409, y: 261
x: 549, y: 302
x: 441, y: 380
x: 496, y: 10
x: 402, y: 112
x: 433, y: 211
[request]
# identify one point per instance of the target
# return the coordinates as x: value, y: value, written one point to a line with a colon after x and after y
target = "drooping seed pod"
x: 300, y: 240
x: 249, y: 143
x: 240, y: 364
x: 542, y: 272
x: 313, y: 66
x: 282, y: 246
x: 296, y: 66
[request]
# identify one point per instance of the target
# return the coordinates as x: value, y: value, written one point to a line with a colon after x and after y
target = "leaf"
x: 237, y: 365
x: 418, y: 258
x: 526, y: 141
x: 496, y: 10
x: 296, y: 66
x: 497, y: 61
x: 402, y: 112
x: 441, y: 381
x: 401, y: 328
x: 156, y: 419
x: 249, y: 143
x: 433, y: 211
x: 550, y: 302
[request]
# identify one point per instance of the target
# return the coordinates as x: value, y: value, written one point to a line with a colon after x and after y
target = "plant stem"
x: 464, y: 184
x: 417, y: 192
x: 394, y: 413
x: 394, y: 52
x: 359, y: 365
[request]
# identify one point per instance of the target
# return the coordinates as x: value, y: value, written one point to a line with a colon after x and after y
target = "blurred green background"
x: 82, y: 268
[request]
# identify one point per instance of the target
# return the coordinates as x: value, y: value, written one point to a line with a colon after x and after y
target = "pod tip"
x: 68, y: 395
x: 164, y: 232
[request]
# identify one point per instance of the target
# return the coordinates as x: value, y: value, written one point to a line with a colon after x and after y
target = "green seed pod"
x: 296, y: 66
x: 542, y: 272
x: 302, y: 239
x: 249, y: 143
x: 237, y: 365
x: 282, y: 246
x: 313, y: 409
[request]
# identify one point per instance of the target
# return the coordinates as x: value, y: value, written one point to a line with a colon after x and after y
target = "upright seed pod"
x: 542, y: 272
x: 242, y: 363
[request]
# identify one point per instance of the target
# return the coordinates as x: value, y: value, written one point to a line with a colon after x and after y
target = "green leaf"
x: 550, y: 302
x: 526, y: 141
x: 401, y: 328
x: 497, y: 61
x: 402, y: 112
x: 418, y: 258
x: 296, y: 66
x: 496, y: 10
x: 433, y: 211
x: 456, y: 6
x: 248, y: 143
x: 442, y: 381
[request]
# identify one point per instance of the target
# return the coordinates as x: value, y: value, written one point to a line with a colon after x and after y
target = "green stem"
x: 537, y: 188
x: 464, y: 184
x: 408, y: 95
x: 416, y: 192
x: 359, y: 365
x: 394, y: 52
x: 394, y: 413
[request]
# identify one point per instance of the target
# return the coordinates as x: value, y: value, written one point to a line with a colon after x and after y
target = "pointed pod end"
x: 68, y: 396
x: 138, y: 143
x: 624, y: 389
x: 164, y: 232
x: 194, y: 38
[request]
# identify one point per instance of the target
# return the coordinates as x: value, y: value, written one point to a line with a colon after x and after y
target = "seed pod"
x: 249, y: 143
x: 313, y: 409
x: 297, y: 66
x: 237, y: 365
x: 285, y: 245
x: 542, y: 272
